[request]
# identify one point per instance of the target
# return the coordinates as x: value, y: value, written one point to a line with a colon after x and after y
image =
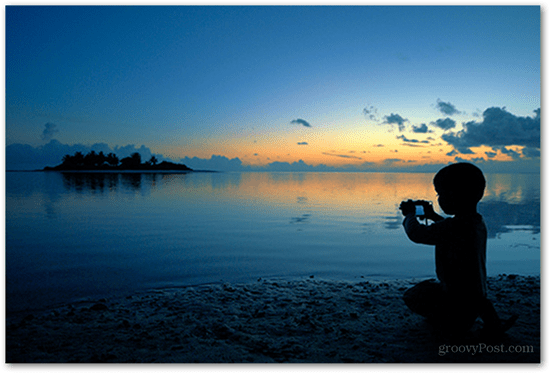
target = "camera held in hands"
x: 419, y: 207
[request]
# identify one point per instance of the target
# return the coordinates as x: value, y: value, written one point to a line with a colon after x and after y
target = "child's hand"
x: 407, y: 207
x: 429, y: 212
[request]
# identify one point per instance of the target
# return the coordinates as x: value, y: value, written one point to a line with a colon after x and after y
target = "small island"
x: 100, y: 162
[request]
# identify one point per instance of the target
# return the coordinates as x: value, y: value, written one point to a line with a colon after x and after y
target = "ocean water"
x: 78, y: 236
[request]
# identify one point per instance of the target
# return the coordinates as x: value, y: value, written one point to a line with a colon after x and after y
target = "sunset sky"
x: 326, y: 85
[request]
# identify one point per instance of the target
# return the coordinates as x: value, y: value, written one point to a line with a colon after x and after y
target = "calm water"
x: 78, y: 236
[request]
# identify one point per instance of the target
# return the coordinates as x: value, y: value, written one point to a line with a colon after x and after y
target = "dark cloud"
x: 289, y: 167
x: 392, y: 161
x: 128, y: 150
x: 509, y: 152
x: 446, y: 108
x: 415, y: 141
x: 498, y: 128
x: 371, y: 113
x: 342, y: 155
x: 215, y: 163
x: 423, y: 128
x: 303, y: 143
x: 49, y: 131
x: 445, y: 124
x: 460, y: 151
x: 531, y: 152
x: 301, y: 121
x: 490, y: 154
x: 396, y: 119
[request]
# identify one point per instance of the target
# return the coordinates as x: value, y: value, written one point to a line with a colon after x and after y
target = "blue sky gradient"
x: 189, y: 81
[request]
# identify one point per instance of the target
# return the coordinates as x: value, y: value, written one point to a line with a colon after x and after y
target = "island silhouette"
x: 100, y: 162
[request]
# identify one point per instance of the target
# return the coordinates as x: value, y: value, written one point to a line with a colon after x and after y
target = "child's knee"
x: 425, y: 298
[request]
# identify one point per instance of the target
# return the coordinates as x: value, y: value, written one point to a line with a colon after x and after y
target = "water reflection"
x: 92, y: 182
x: 510, y: 200
x: 499, y: 215
x: 82, y: 233
x: 393, y: 222
x: 301, y: 219
x: 104, y: 182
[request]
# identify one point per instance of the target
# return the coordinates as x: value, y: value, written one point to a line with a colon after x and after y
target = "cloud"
x: 26, y: 157
x: 49, y: 131
x: 301, y: 121
x: 498, y: 128
x: 423, y: 128
x: 303, y: 143
x: 128, y: 150
x: 294, y: 166
x: 415, y: 141
x: 342, y: 155
x: 395, y: 119
x: 215, y: 163
x: 509, y: 152
x: 392, y: 161
x: 531, y: 152
x: 445, y: 124
x: 371, y: 113
x: 446, y: 108
x: 460, y: 151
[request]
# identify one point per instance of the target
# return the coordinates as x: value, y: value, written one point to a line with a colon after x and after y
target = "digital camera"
x: 420, y: 207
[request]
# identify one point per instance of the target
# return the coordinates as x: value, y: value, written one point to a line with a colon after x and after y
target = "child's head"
x: 460, y: 187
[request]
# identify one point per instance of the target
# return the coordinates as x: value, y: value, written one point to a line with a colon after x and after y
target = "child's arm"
x: 420, y: 233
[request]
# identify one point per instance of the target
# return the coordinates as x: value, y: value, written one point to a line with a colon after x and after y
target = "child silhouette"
x: 459, y: 295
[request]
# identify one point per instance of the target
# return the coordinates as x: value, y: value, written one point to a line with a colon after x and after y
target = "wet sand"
x: 272, y: 321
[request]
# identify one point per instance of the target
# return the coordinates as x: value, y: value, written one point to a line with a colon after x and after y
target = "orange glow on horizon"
x: 334, y: 147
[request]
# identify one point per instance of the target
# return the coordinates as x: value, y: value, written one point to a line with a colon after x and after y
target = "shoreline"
x: 271, y: 321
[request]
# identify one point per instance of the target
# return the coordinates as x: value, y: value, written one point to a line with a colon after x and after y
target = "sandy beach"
x: 272, y: 321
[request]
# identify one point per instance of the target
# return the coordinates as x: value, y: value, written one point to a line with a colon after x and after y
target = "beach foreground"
x: 272, y: 321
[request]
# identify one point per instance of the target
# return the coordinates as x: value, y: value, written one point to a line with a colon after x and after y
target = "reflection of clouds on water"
x: 301, y: 219
x: 393, y: 222
x: 367, y: 228
x: 499, y: 215
x: 301, y: 200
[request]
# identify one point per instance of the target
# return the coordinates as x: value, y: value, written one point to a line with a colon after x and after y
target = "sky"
x: 316, y: 87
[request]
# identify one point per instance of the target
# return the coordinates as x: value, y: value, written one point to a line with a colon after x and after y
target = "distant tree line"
x: 100, y: 161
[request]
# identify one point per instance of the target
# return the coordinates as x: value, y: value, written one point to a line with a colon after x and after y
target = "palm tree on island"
x: 100, y: 162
